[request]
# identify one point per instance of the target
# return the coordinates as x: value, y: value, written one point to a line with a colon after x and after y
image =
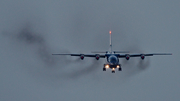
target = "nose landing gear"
x: 113, y: 71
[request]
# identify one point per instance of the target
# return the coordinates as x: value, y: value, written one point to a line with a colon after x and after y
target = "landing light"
x: 113, y: 68
x: 117, y: 66
x: 107, y: 66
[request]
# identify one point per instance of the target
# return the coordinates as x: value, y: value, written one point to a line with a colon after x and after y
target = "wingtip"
x: 169, y: 54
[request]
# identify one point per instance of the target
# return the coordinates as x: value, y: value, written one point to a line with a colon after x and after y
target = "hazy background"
x: 31, y: 30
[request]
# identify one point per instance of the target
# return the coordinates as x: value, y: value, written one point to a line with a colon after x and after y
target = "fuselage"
x: 112, y: 59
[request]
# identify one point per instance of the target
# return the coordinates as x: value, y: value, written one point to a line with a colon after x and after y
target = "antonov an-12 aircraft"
x: 112, y: 57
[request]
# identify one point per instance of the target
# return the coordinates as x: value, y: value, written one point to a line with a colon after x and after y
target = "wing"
x: 97, y: 56
x: 127, y: 56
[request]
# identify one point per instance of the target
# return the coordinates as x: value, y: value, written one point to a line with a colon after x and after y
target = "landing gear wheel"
x: 104, y: 69
x: 120, y: 69
x: 113, y: 71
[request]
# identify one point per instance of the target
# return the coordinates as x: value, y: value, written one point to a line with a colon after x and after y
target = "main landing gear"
x: 120, y: 69
x: 113, y: 67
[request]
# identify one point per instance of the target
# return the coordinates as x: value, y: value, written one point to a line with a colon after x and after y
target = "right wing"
x: 97, y: 56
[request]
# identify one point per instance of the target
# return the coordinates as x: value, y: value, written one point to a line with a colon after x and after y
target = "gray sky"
x: 31, y: 30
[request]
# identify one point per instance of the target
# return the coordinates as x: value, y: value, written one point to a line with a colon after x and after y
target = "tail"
x: 110, y: 48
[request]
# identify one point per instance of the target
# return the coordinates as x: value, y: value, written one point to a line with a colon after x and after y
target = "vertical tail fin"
x: 110, y: 42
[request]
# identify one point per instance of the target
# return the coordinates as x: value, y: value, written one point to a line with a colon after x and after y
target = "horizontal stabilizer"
x: 99, y: 51
x: 107, y: 51
x: 121, y: 51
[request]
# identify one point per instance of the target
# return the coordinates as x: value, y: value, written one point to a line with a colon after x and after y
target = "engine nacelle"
x: 97, y: 57
x: 82, y: 57
x: 142, y: 56
x: 127, y: 57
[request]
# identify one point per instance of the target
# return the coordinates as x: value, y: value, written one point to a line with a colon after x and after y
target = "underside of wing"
x: 127, y: 56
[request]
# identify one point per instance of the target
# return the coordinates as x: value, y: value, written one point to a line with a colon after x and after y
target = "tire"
x: 104, y: 69
x: 120, y: 69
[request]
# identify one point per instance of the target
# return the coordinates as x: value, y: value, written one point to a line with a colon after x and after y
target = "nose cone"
x: 113, y: 60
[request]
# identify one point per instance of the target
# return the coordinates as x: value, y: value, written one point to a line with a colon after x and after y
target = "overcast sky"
x: 31, y: 30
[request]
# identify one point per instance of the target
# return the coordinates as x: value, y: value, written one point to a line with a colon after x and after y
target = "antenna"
x: 110, y: 41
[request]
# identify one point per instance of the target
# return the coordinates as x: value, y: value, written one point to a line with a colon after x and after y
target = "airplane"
x: 112, y: 57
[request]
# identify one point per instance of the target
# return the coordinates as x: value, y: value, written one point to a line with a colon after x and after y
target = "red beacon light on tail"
x: 109, y: 32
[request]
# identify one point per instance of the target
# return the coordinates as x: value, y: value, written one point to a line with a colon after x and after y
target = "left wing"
x: 127, y: 56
